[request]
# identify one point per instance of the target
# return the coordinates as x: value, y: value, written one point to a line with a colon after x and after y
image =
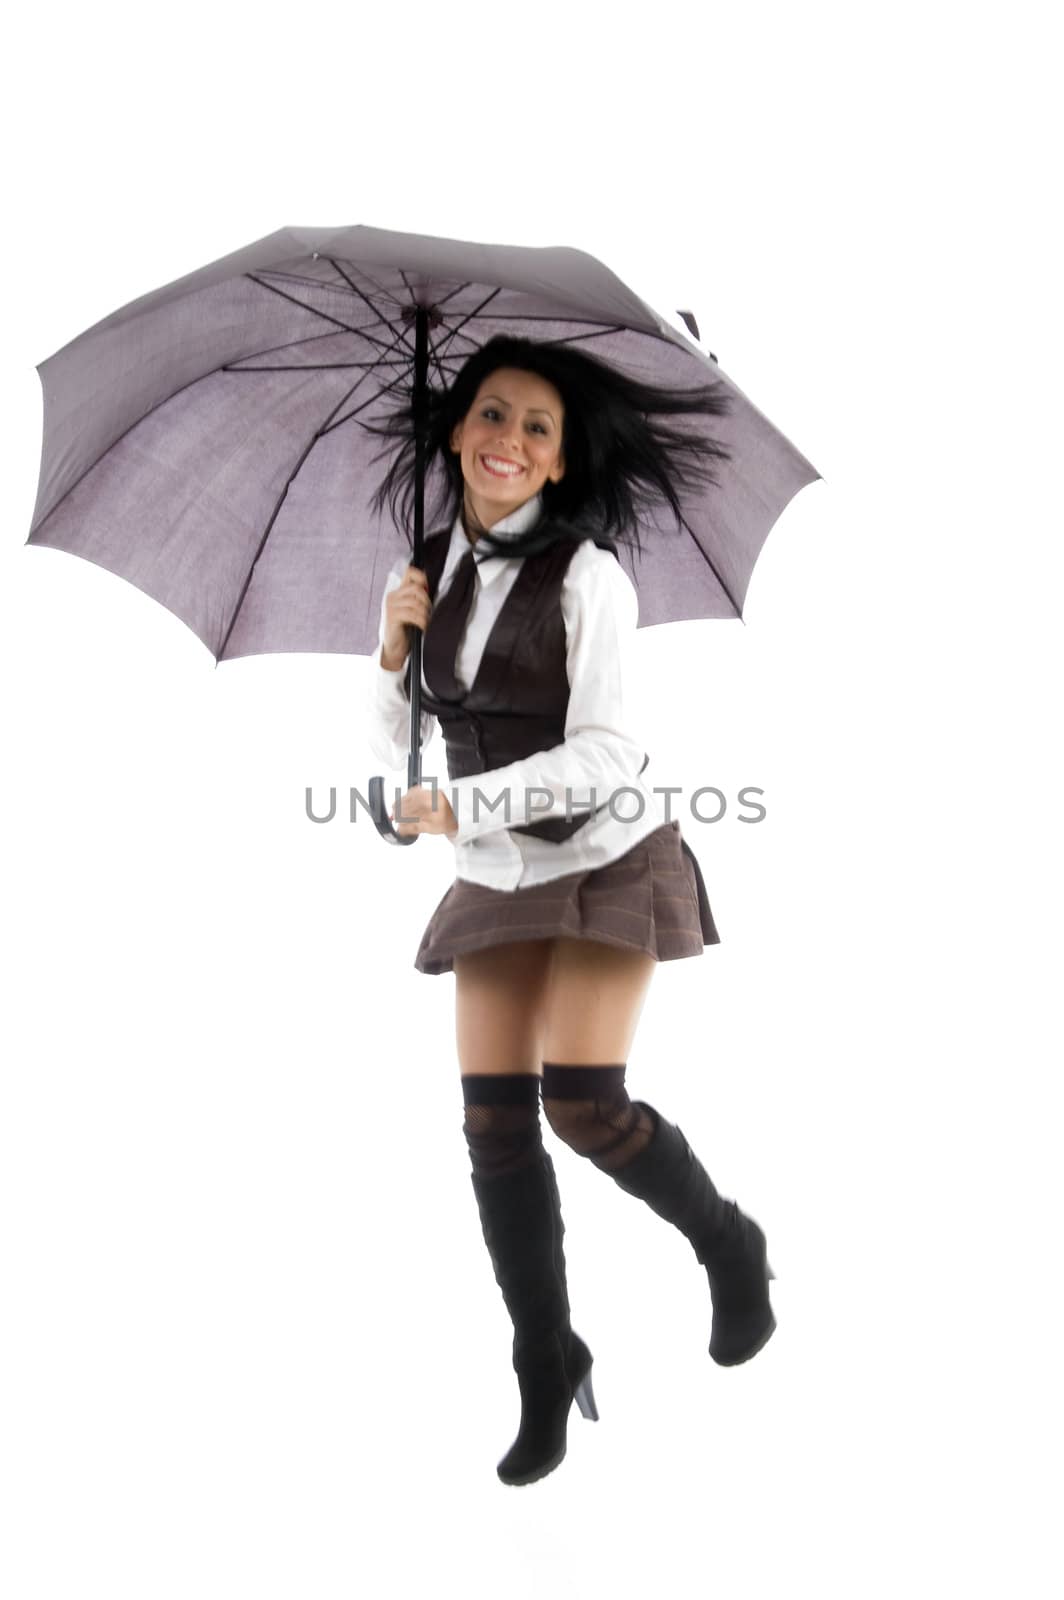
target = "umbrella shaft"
x: 421, y: 368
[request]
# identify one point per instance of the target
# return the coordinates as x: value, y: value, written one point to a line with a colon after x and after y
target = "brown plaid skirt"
x: 652, y: 898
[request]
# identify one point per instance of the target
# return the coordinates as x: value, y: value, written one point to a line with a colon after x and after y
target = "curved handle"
x: 377, y: 805
x: 378, y: 809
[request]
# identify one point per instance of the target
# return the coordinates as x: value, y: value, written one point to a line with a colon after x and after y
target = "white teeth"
x: 501, y: 471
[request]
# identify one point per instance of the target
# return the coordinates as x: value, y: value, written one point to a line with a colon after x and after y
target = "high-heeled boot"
x: 578, y: 1358
x: 521, y: 1219
x: 669, y: 1177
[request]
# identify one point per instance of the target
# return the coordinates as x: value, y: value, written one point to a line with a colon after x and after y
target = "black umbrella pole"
x: 421, y: 370
x: 377, y: 804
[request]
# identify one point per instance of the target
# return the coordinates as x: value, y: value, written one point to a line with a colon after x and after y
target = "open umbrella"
x: 205, y: 441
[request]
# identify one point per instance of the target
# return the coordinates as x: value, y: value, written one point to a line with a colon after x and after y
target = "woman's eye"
x: 492, y: 411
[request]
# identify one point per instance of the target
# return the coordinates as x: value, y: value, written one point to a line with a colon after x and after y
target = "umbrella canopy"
x: 204, y: 442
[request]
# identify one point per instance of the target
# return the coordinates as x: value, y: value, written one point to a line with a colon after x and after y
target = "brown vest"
x: 518, y: 701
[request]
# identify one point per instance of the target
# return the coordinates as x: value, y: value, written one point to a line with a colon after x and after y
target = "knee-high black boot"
x: 669, y: 1177
x: 649, y: 1158
x: 517, y: 1197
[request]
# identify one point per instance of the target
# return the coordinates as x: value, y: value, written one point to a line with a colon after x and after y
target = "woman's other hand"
x: 425, y: 811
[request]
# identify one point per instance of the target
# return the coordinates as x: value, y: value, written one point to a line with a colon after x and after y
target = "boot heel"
x: 770, y: 1271
x: 584, y: 1396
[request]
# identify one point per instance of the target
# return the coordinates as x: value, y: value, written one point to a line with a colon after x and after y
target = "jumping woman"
x: 565, y: 896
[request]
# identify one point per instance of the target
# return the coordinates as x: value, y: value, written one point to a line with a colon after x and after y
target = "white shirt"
x: 600, y: 749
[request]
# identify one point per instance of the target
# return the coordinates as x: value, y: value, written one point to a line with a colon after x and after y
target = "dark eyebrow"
x: 506, y: 403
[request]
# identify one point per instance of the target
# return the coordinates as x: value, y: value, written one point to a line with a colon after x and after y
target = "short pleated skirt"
x: 652, y: 898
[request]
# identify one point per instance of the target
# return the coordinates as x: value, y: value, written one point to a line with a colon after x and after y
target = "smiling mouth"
x: 502, y: 470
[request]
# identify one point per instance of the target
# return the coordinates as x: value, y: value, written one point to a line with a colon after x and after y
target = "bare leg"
x: 595, y: 1000
x: 499, y: 1000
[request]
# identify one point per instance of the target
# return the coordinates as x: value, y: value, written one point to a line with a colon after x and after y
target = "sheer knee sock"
x: 501, y: 1125
x: 588, y: 1107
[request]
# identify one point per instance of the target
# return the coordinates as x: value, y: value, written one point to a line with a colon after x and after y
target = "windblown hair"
x: 620, y: 460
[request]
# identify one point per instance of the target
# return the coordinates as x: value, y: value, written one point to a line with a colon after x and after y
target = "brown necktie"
x: 446, y: 627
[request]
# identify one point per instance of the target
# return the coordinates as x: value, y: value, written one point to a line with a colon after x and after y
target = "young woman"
x: 567, y: 890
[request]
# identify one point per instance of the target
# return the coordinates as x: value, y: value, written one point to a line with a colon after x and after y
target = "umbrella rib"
x: 469, y: 315
x: 713, y: 568
x: 437, y: 364
x: 352, y: 414
x: 363, y: 333
x: 600, y: 333
x: 354, y: 286
x: 268, y: 350
x: 646, y: 333
x: 600, y: 330
x: 372, y: 368
x: 322, y: 366
x: 289, y: 344
x: 439, y: 361
x: 317, y: 283
x: 319, y: 433
x: 325, y: 315
x: 542, y: 316
x: 199, y: 378
x: 456, y: 290
x: 456, y: 333
x: 385, y: 294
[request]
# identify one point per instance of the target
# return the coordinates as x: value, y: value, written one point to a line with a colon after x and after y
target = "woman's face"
x: 510, y: 443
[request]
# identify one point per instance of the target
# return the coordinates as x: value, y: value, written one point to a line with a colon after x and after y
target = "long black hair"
x: 620, y: 460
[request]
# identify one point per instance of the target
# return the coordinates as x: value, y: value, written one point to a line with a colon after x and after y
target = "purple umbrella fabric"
x: 204, y: 442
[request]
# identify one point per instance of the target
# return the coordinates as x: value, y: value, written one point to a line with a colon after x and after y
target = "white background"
x: 251, y: 1344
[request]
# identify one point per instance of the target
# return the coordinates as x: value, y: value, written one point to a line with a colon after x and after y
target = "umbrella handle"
x: 378, y: 810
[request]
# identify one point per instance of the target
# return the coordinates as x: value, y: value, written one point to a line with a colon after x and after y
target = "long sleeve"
x: 600, y: 608
x: 387, y: 705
